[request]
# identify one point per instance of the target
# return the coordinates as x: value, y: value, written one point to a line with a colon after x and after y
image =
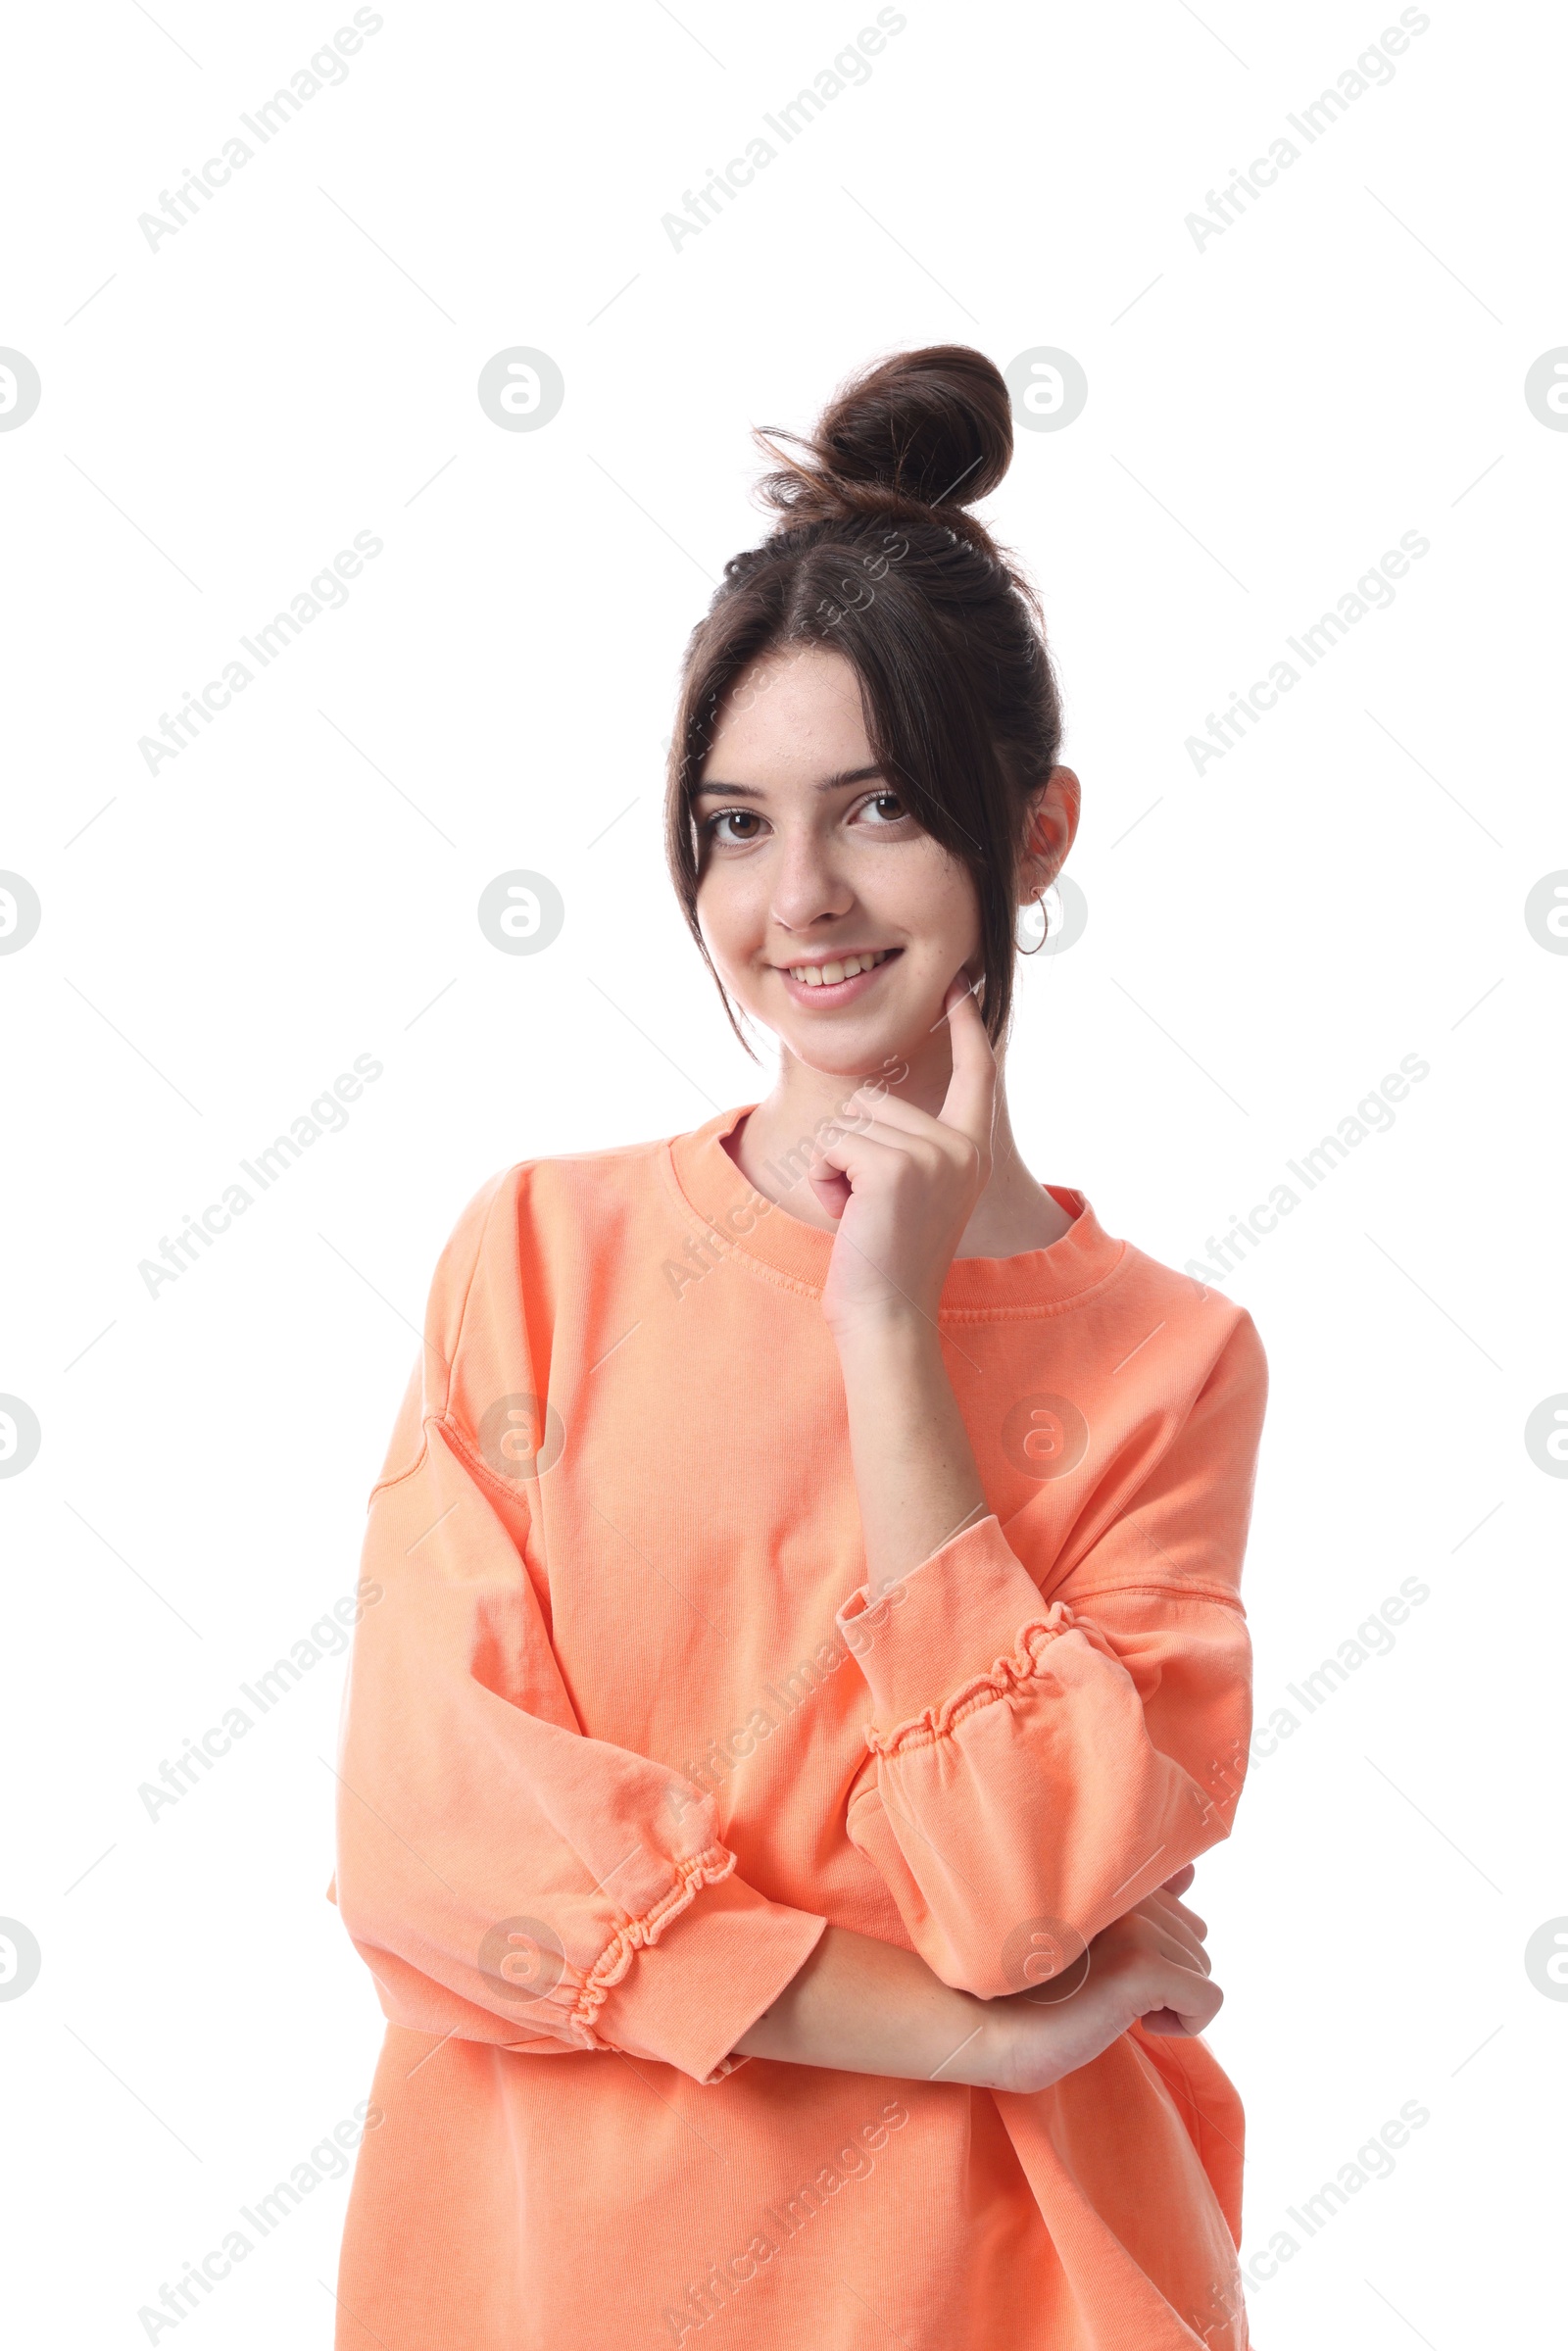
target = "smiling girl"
x: 811, y: 1655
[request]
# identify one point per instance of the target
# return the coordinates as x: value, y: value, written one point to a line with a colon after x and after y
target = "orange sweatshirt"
x: 624, y: 1728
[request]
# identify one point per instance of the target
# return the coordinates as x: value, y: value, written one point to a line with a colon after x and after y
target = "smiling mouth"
x: 837, y: 969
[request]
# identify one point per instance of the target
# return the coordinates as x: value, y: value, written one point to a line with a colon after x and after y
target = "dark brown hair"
x: 874, y: 557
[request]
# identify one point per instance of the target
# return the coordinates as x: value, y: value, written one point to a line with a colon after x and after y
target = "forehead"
x: 793, y: 716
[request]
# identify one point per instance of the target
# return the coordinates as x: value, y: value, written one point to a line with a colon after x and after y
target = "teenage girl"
x: 802, y: 1652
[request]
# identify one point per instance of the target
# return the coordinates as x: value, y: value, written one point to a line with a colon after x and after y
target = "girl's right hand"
x: 1150, y: 1964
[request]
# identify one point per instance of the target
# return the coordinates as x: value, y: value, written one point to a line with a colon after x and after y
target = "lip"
x: 834, y: 992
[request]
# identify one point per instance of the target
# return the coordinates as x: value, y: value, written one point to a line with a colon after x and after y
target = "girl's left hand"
x: 905, y: 1185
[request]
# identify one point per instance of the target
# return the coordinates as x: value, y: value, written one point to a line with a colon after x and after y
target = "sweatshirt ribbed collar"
x: 723, y: 1200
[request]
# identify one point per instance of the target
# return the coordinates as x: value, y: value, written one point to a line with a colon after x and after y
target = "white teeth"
x: 829, y: 975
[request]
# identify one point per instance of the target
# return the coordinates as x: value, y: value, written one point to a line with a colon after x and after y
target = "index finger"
x: 969, y: 1103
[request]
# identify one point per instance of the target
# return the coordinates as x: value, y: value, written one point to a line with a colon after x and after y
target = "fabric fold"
x: 625, y: 1730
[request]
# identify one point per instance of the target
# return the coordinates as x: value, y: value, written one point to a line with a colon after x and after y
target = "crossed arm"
x: 1028, y: 1758
x: 863, y: 2006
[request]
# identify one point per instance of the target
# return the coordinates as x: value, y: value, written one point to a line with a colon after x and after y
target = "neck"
x: 1014, y: 1213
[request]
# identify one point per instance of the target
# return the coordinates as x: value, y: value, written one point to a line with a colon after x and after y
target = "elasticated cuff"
x: 687, y: 1997
x: 956, y: 1621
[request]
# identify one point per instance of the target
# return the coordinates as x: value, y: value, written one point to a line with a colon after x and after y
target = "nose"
x: 807, y: 889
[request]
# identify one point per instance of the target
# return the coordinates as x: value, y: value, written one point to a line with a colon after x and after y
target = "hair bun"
x: 926, y: 430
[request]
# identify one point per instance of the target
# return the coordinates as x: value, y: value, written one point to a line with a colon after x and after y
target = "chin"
x: 850, y: 1053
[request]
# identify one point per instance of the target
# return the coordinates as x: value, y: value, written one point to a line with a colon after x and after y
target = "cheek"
x: 731, y: 912
x: 944, y: 907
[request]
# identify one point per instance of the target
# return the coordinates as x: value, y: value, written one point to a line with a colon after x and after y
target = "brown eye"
x: 728, y: 817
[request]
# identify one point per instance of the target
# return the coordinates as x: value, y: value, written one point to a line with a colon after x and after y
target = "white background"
x: 1266, y: 414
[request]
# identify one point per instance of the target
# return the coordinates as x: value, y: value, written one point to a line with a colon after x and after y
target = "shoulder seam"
x: 476, y: 1461
x: 383, y: 1484
x: 506, y: 1182
x: 499, y: 1183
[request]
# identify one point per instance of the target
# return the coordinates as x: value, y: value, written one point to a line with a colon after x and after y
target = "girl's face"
x: 808, y: 858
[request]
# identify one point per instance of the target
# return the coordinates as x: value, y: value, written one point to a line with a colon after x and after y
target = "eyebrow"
x: 831, y: 783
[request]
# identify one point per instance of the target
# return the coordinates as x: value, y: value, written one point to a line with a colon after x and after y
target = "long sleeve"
x: 504, y: 1877
x: 1037, y: 1767
x: 607, y: 1770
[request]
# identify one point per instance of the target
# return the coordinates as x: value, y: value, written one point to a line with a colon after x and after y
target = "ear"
x: 1051, y: 826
